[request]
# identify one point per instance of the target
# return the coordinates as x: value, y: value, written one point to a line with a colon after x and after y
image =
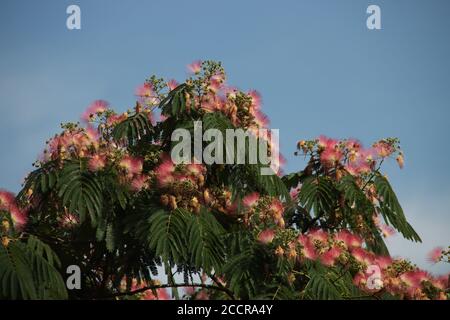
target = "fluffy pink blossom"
x: 6, y: 199
x: 97, y: 162
x: 326, y: 143
x: 18, y: 216
x: 138, y: 183
x: 95, y: 107
x: 328, y: 258
x: 131, y: 164
x: 195, y: 67
x: 145, y: 90
x: 330, y: 156
x: 256, y: 99
x: 69, y: 220
x: 435, y: 255
x: 172, y: 84
x: 387, y: 231
x: 349, y: 239
x: 318, y: 235
x: 308, y: 250
x: 251, y: 199
x: 164, y: 172
x: 266, y: 236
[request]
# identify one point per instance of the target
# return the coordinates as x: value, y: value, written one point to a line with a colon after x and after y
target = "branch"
x: 175, y: 285
x: 220, y: 285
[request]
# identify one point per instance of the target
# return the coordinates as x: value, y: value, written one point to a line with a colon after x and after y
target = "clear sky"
x: 317, y: 66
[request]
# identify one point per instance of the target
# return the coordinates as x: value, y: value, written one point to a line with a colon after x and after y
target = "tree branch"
x: 175, y: 285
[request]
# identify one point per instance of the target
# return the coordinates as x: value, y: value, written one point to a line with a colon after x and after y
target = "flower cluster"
x: 345, y: 249
x: 10, y: 211
x: 263, y: 211
x: 181, y: 185
x: 349, y: 156
x: 99, y: 151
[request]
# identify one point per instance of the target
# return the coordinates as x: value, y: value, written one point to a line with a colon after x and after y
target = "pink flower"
x: 195, y: 169
x: 330, y: 156
x: 69, y: 220
x: 97, y: 162
x: 145, y: 90
x: 360, y: 280
x: 6, y: 199
x: 138, y: 183
x: 165, y: 171
x: 435, y: 254
x: 383, y: 262
x: 18, y: 217
x: 326, y: 143
x: 386, y: 230
x: 266, y: 236
x: 115, y: 119
x: 362, y: 256
x: 8, y: 203
x: 353, y: 144
x: 318, y: 235
x: 383, y: 149
x: 131, y: 165
x: 172, y: 84
x: 261, y: 119
x: 329, y: 257
x: 95, y: 107
x: 92, y: 133
x: 308, y: 249
x: 195, y: 67
x: 251, y: 200
x: 256, y: 99
x: 348, y: 239
x: 277, y: 207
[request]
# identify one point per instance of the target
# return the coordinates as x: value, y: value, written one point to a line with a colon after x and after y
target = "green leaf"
x: 133, y: 128
x: 167, y: 234
x: 317, y: 195
x: 320, y: 287
x: 391, y: 210
x: 80, y: 191
x: 204, y: 239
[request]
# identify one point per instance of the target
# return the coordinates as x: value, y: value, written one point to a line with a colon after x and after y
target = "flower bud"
x: 5, y: 241
x: 5, y: 225
x: 206, y: 196
x: 173, y: 202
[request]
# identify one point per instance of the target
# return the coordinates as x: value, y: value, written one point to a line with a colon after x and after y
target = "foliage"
x: 107, y: 197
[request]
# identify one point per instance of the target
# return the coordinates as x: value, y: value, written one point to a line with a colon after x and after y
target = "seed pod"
x: 206, y: 196
x: 301, y: 144
x: 5, y: 241
x: 173, y: 202
x: 194, y: 202
x: 292, y: 253
x: 201, y: 180
x: 5, y: 225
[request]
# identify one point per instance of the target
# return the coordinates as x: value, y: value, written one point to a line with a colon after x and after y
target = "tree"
x: 107, y: 198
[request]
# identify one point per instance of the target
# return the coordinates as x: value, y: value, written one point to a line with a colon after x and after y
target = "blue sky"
x: 318, y: 67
